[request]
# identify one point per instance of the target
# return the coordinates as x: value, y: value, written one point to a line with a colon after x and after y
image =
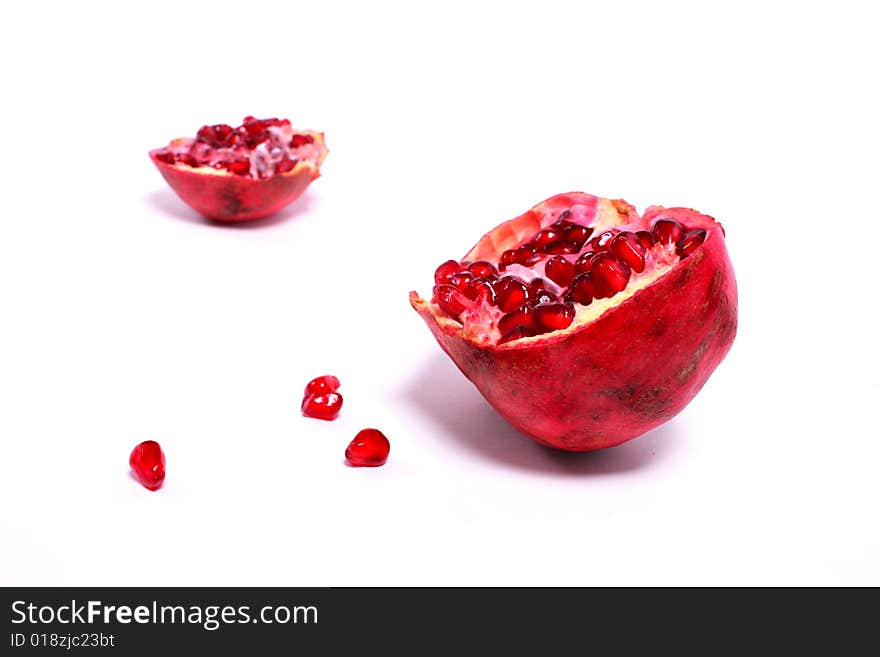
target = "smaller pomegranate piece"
x: 322, y: 384
x: 147, y: 463
x: 322, y: 406
x: 370, y: 448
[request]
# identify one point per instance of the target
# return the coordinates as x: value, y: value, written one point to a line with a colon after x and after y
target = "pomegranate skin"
x: 226, y: 197
x: 631, y: 369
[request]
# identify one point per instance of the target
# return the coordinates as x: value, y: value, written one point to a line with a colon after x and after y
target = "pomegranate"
x: 148, y: 464
x: 320, y: 399
x: 369, y: 448
x: 599, y: 324
x: 248, y: 172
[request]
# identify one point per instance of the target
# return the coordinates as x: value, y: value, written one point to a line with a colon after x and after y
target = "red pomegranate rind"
x: 226, y: 197
x: 629, y: 370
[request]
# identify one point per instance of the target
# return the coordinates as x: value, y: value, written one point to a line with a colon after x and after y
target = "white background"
x: 126, y: 317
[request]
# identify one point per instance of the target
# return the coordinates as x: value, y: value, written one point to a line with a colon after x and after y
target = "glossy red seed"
x: 559, y: 247
x: 610, y: 274
x: 646, y: 238
x: 689, y: 242
x: 511, y: 294
x: 527, y: 255
x: 322, y: 384
x: 553, y: 316
x: 147, y: 463
x: 450, y: 299
x: 627, y: 247
x: 582, y: 289
x: 322, y: 406
x: 370, y: 449
x: 166, y: 156
x: 481, y: 269
x: 301, y: 140
x: 507, y: 258
x: 667, y: 231
x: 461, y: 280
x: 582, y: 264
x: 446, y: 271
x: 602, y: 240
x: 285, y: 165
x: 536, y: 285
x: 239, y: 167
x: 577, y: 235
x: 516, y: 334
x: 563, y: 218
x: 544, y: 237
x: 559, y: 270
x: 543, y: 296
x: 483, y: 289
x: 520, y: 317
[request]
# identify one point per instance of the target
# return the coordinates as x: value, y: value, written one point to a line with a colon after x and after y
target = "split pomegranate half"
x: 248, y: 172
x: 585, y: 324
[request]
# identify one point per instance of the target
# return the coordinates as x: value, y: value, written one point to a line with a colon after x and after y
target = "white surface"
x: 126, y: 318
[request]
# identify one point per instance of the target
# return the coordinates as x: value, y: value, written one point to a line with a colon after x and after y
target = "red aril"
x: 323, y: 405
x: 147, y: 463
x: 644, y: 309
x: 322, y: 384
x: 369, y: 448
x: 247, y: 172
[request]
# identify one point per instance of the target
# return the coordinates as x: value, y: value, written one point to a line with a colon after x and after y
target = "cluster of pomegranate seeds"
x: 148, y: 464
x: 320, y: 399
x: 577, y: 268
x: 259, y: 148
x: 370, y: 448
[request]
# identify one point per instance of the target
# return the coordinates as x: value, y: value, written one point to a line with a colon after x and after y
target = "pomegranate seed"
x: 689, y: 242
x: 543, y: 296
x: 370, y: 448
x: 446, y: 271
x: 609, y: 273
x: 285, y: 165
x: 450, y: 299
x: 239, y: 167
x: 516, y: 334
x: 507, y: 258
x: 536, y: 285
x: 559, y: 270
x: 148, y: 464
x: 461, y: 280
x: 582, y: 289
x: 482, y: 288
x: 646, y: 238
x: 166, y: 156
x: 520, y: 317
x: 301, y: 140
x: 582, y: 264
x: 667, y: 231
x: 511, y: 294
x: 553, y: 316
x: 627, y: 247
x: 544, y: 237
x: 322, y: 384
x: 577, y: 235
x: 527, y: 255
x: 602, y: 240
x: 559, y: 247
x: 481, y: 269
x: 322, y: 406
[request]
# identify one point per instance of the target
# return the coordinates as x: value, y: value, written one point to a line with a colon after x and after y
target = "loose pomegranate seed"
x: 577, y: 235
x: 446, y: 271
x: 582, y: 264
x: 520, y: 317
x: 370, y: 448
x: 301, y: 140
x: 544, y: 237
x: 323, y: 406
x: 602, y: 240
x: 450, y: 299
x: 559, y: 270
x: 627, y: 247
x: 553, y: 316
x: 516, y: 334
x: 322, y: 384
x: 461, y: 280
x: 646, y: 238
x: 667, y: 231
x: 582, y: 289
x: 481, y: 269
x: 511, y: 294
x: 482, y: 288
x: 689, y: 242
x: 609, y: 273
x: 148, y: 464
